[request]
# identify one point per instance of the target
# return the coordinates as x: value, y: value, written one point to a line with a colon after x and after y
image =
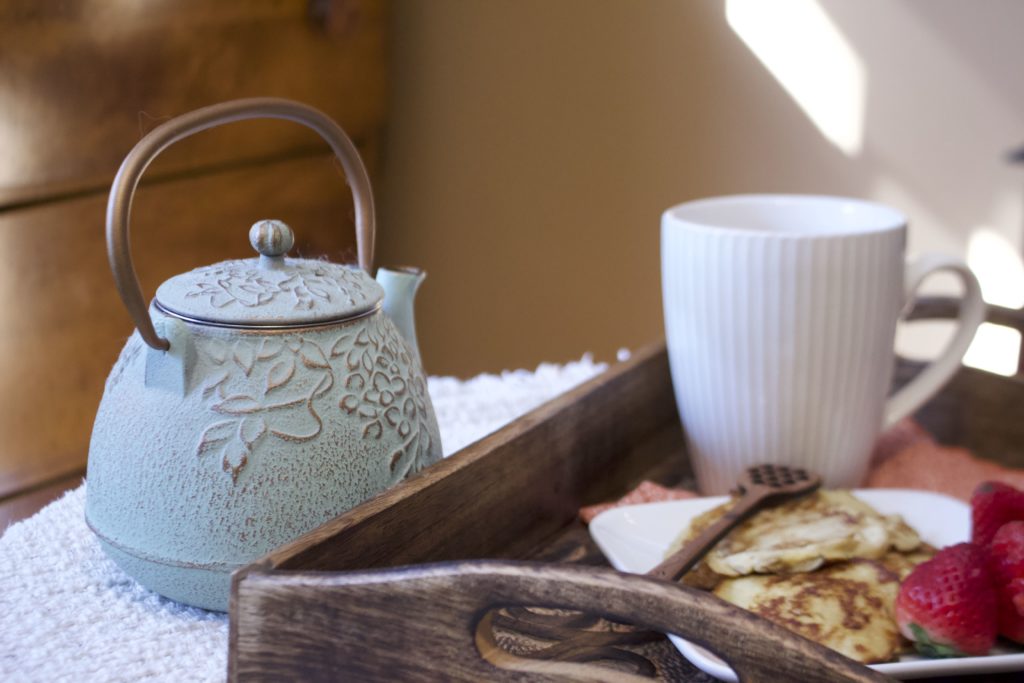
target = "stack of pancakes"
x: 827, y: 566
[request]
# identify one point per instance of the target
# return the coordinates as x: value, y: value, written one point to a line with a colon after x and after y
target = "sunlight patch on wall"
x: 998, y: 266
x: 995, y: 348
x: 807, y: 54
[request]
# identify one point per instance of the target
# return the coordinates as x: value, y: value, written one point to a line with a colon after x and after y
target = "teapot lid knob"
x: 271, y: 238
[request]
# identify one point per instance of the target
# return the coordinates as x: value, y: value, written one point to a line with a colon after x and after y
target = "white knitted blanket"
x: 67, y: 613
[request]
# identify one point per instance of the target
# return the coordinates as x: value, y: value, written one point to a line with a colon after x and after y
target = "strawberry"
x: 1010, y: 600
x: 1006, y: 553
x: 993, y: 504
x: 1006, y: 564
x: 947, y: 605
x: 1015, y: 589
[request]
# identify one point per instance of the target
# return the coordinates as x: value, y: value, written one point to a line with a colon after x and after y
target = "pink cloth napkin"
x: 646, y: 492
x: 905, y: 456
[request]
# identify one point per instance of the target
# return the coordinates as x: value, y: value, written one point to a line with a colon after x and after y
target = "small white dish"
x: 635, y: 538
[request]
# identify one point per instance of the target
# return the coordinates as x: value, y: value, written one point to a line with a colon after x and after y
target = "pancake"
x: 800, y: 536
x: 827, y: 566
x: 902, y: 564
x: 846, y: 606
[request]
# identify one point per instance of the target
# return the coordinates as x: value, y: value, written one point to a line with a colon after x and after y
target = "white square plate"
x: 635, y: 538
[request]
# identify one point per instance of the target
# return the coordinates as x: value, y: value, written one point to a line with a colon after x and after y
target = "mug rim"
x: 711, y: 214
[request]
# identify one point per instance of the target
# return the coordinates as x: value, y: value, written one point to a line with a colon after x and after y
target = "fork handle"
x: 682, y: 561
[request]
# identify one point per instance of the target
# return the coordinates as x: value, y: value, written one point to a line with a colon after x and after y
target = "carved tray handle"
x: 134, y: 165
x: 431, y: 622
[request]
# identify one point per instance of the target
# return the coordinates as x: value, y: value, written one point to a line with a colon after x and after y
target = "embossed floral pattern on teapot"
x: 258, y: 398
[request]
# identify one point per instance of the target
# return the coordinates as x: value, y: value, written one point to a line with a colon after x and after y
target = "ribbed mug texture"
x: 780, y: 344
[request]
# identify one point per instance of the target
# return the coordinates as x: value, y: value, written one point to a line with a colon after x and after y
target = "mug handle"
x: 972, y: 313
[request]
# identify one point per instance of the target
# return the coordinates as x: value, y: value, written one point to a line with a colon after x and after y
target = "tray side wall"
x: 502, y: 495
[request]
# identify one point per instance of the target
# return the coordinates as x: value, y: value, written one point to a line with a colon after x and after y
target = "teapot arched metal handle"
x: 134, y: 165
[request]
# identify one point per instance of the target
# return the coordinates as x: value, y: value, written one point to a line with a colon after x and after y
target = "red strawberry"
x: 993, y: 505
x: 1015, y: 589
x: 947, y: 605
x: 1006, y: 564
x: 1010, y: 601
x: 1006, y: 553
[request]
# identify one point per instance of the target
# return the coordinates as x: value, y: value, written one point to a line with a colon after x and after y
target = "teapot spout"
x: 400, y: 285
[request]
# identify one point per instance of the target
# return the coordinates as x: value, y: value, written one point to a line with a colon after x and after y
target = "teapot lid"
x: 271, y: 290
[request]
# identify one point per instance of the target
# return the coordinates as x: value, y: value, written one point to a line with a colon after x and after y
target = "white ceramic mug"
x: 780, y: 318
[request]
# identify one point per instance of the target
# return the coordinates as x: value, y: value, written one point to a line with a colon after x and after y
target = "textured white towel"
x: 67, y: 613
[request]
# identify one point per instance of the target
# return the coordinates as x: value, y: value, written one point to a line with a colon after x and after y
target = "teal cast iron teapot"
x: 257, y: 398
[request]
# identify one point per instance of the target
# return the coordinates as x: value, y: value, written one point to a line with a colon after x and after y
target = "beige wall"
x: 533, y: 145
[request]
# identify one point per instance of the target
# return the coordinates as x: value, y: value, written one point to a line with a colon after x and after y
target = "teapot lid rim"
x: 268, y: 292
x: 269, y: 325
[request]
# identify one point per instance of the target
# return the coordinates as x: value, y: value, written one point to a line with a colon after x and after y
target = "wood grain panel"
x: 30, y: 502
x: 81, y: 81
x: 63, y: 321
x: 430, y: 623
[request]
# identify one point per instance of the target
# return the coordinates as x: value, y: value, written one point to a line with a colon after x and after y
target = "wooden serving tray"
x: 332, y: 605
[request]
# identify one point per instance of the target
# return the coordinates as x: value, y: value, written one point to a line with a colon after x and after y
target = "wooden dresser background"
x: 80, y: 82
